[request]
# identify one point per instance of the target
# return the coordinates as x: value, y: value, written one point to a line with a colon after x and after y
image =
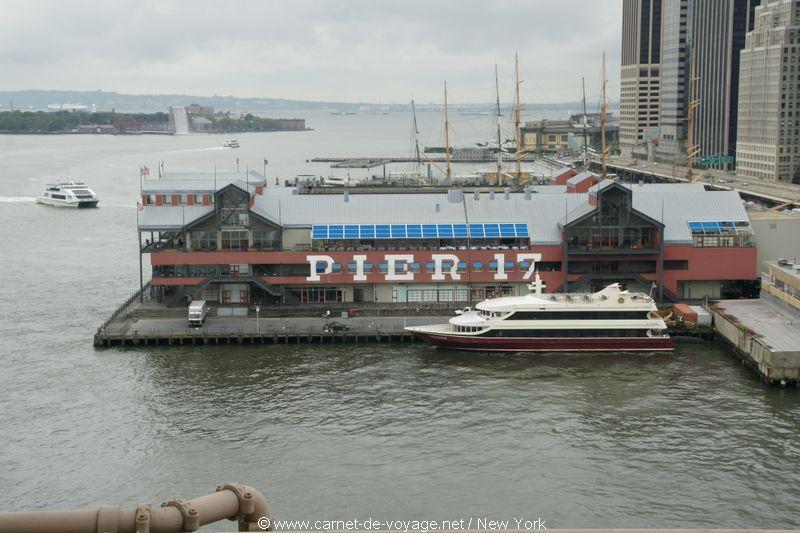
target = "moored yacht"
x: 68, y: 194
x: 233, y: 143
x: 609, y: 320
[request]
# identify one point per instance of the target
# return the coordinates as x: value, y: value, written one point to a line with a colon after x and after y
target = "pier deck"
x: 764, y: 334
x: 243, y: 330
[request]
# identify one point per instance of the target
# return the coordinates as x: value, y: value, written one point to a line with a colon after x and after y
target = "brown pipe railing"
x: 231, y: 501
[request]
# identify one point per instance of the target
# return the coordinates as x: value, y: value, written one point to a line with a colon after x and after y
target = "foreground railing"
x: 230, y: 502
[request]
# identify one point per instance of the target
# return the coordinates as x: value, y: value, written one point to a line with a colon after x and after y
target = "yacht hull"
x: 546, y: 344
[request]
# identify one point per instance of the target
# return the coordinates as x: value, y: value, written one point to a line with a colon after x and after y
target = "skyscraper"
x: 769, y: 95
x: 639, y: 84
x: 713, y: 32
x: 676, y: 15
x: 718, y: 36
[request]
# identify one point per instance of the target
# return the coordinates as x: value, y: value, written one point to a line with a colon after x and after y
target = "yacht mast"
x: 447, y: 139
x: 499, y: 135
x: 517, y: 121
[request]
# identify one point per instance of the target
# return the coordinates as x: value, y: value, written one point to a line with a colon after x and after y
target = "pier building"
x: 231, y: 239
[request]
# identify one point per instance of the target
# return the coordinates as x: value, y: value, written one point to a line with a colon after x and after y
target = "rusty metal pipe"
x: 231, y: 501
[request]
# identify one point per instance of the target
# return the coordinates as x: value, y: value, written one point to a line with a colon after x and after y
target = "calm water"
x: 687, y: 439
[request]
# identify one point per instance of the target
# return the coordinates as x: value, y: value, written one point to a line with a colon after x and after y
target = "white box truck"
x: 197, y: 313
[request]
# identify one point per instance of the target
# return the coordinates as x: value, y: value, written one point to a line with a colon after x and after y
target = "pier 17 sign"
x: 399, y: 266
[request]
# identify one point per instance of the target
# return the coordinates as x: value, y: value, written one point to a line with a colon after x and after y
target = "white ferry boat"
x: 233, y: 143
x: 68, y: 194
x: 609, y: 320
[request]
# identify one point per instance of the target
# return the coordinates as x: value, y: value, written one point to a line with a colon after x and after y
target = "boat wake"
x: 16, y: 199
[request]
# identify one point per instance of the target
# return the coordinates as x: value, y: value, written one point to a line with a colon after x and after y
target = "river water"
x: 686, y: 439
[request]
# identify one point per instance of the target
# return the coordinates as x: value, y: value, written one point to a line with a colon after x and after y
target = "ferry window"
x: 151, y: 199
x: 337, y: 267
x: 524, y: 265
x: 462, y: 267
x: 430, y: 266
x: 509, y: 265
x: 351, y: 267
x: 400, y: 267
x: 167, y: 199
x: 414, y: 267
x: 367, y: 267
x: 383, y: 268
x: 493, y: 265
x: 477, y: 266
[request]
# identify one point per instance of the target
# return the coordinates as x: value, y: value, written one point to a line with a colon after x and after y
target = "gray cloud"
x: 354, y: 50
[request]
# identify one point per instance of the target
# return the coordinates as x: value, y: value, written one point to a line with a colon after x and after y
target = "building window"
x: 204, y: 240
x: 234, y: 240
x: 264, y: 239
x: 681, y: 264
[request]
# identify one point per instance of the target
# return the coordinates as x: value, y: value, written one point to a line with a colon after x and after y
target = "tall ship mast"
x: 517, y: 121
x: 417, y: 152
x: 499, y: 134
x: 692, y: 149
x: 603, y: 105
x: 585, y: 133
x: 447, y: 139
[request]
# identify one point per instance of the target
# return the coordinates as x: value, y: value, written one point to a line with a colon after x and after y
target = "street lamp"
x: 257, y: 310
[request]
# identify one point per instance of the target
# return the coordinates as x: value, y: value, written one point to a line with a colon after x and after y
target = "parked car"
x: 330, y: 327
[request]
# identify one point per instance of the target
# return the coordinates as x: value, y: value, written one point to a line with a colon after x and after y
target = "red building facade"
x: 238, y: 242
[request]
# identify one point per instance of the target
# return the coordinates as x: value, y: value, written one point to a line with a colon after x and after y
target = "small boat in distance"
x: 233, y: 143
x: 609, y: 320
x: 68, y: 194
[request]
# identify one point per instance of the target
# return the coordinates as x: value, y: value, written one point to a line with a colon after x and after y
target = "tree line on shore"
x: 68, y: 121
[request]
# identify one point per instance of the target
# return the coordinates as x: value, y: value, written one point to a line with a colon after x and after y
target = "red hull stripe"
x: 537, y: 344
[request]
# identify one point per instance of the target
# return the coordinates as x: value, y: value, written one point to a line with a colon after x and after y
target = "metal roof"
x: 673, y: 205
x: 171, y: 217
x: 674, y: 209
x: 194, y: 185
x: 221, y: 175
x: 574, y: 180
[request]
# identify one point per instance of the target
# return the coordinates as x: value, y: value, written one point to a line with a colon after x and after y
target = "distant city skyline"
x: 352, y: 51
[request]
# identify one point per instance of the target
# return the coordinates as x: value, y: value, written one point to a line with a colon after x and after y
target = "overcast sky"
x: 337, y: 50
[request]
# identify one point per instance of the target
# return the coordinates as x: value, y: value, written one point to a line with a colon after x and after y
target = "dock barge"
x: 765, y: 333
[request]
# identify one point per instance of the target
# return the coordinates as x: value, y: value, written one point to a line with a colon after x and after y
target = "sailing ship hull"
x: 547, y: 344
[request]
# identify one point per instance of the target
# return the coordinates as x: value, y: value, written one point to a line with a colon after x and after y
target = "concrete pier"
x: 133, y: 331
x: 764, y: 334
